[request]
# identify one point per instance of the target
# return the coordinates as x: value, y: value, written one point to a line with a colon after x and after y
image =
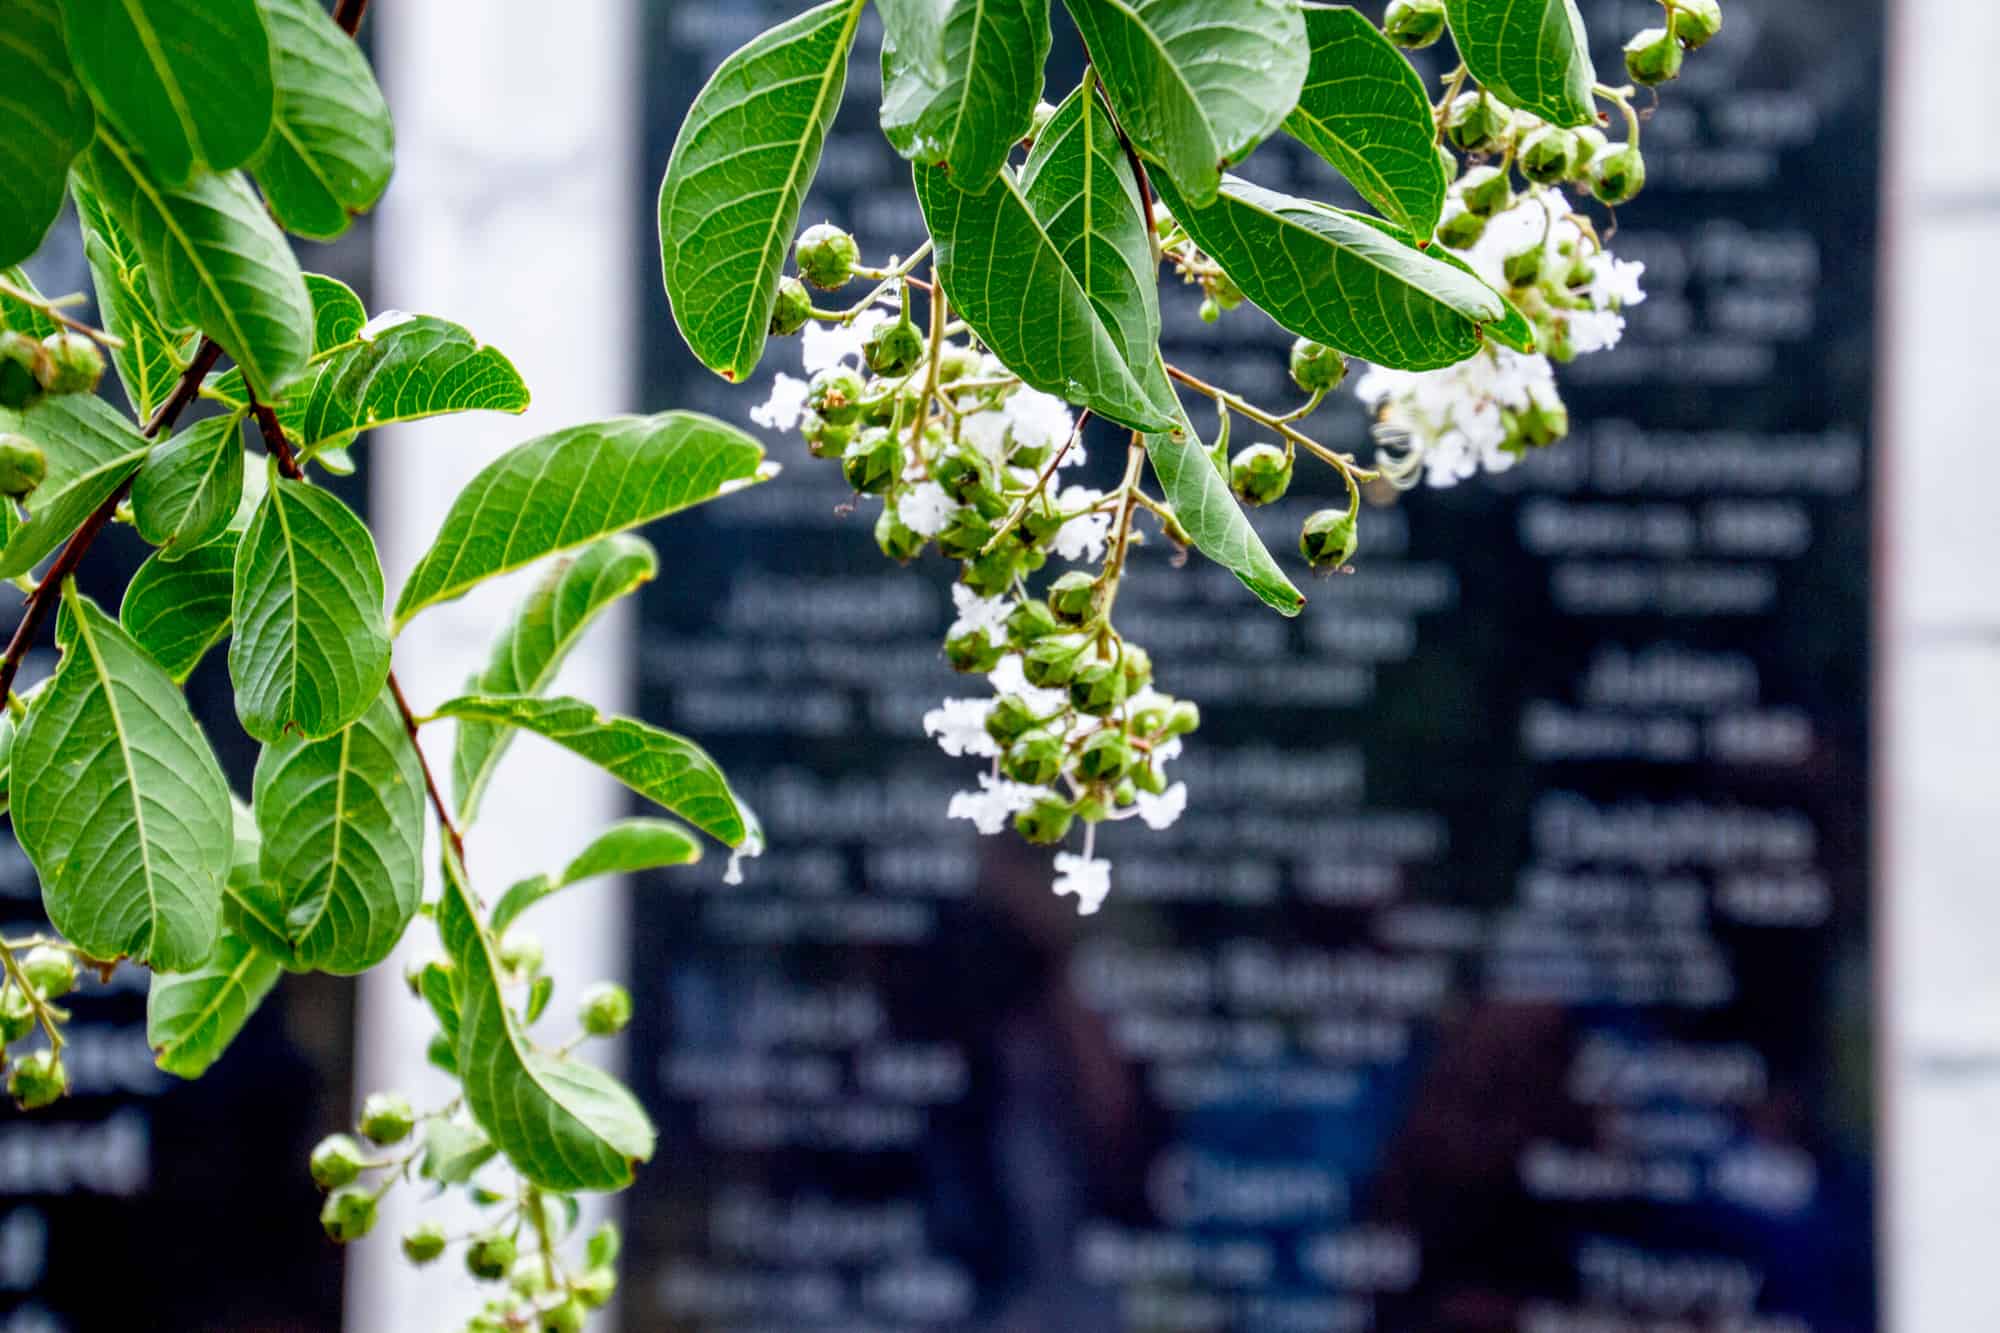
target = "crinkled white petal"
x: 827, y: 345
x: 987, y: 433
x: 1595, y: 330
x: 926, y: 509
x: 1010, y: 677
x: 976, y: 612
x: 781, y: 411
x: 1088, y: 877
x: 1040, y: 420
x: 1614, y: 282
x: 1161, y: 811
x: 960, y: 727
x: 989, y: 807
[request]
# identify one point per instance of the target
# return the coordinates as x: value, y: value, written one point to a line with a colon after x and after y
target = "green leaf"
x: 186, y: 82
x: 190, y: 486
x: 214, y: 258
x: 404, y: 368
x: 627, y: 847
x: 1531, y: 54
x: 1203, y: 502
x: 191, y: 1017
x: 1196, y: 84
x: 91, y: 450
x: 1365, y: 110
x: 563, y: 1124
x: 960, y: 80
x: 454, y: 1150
x: 532, y: 646
x: 310, y: 652
x: 19, y: 315
x: 1010, y: 281
x: 48, y: 122
x: 561, y: 491
x: 337, y: 320
x: 666, y: 769
x: 156, y: 350
x: 738, y: 175
x: 1512, y: 329
x: 179, y: 609
x: 342, y: 824
x: 1337, y: 279
x: 119, y: 803
x: 332, y: 144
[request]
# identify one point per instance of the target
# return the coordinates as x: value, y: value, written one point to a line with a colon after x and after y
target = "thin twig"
x: 1257, y: 414
x: 1132, y: 157
x: 1020, y: 510
x: 348, y: 14
x: 54, y: 311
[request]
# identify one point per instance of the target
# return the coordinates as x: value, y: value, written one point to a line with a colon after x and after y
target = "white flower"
x: 1595, y: 330
x: 1010, y: 677
x: 1614, y: 283
x: 996, y: 799
x: 781, y: 411
x: 960, y: 727
x: 1082, y: 538
x: 829, y: 345
x: 976, y: 612
x: 926, y: 510
x: 1040, y: 420
x: 1446, y: 425
x: 1161, y: 811
x: 987, y: 433
x: 1085, y: 876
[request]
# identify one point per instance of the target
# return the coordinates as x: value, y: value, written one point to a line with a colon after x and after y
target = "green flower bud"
x: 1073, y: 597
x: 386, y: 1117
x: 1092, y: 808
x: 595, y: 1287
x: 1328, y: 539
x: 1009, y: 719
x: 51, y: 971
x: 1524, y: 267
x: 1052, y: 661
x: 423, y: 1242
x: 1098, y: 688
x: 336, y: 1160
x: 565, y: 1318
x: 1449, y: 162
x: 1136, y: 664
x: 1537, y: 425
x: 956, y: 363
x: 1461, y: 231
x: 605, y: 1010
x: 873, y: 461
x: 1150, y: 721
x: 827, y: 256
x: 1548, y: 156
x: 1182, y: 718
x: 992, y: 574
x: 602, y: 1248
x: 965, y: 534
x: 1413, y: 24
x: 348, y: 1214
x: 893, y: 349
x: 521, y: 952
x: 1210, y: 311
x: 823, y: 438
x: 1653, y: 57
x: 23, y: 465
x: 37, y: 1080
x: 1487, y: 191
x: 835, y: 393
x: 17, y: 1014
x: 1590, y: 141
x: 793, y: 308
x: 21, y: 360
x: 72, y: 364
x: 1044, y: 113
x: 1260, y: 474
x: 1046, y: 822
x: 1617, y: 175
x: 489, y: 1257
x: 1225, y: 291
x: 1150, y: 778
x: 1696, y: 21
x: 880, y: 399
x: 1476, y: 123
x: 1035, y: 758
x: 1031, y: 621
x: 1106, y: 757
x: 529, y: 1276
x: 1317, y: 368
x: 959, y: 475
x: 973, y: 652
x: 897, y: 539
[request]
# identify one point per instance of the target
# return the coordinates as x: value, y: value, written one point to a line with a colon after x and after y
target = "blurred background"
x: 1581, y: 919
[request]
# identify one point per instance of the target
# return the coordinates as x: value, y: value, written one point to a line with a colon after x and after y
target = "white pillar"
x: 512, y: 213
x: 1940, y: 684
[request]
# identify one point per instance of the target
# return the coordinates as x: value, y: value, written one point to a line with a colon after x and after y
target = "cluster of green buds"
x: 38, y: 974
x: 63, y: 362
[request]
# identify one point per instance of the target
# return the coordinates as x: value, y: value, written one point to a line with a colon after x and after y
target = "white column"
x: 512, y: 212
x: 1940, y: 662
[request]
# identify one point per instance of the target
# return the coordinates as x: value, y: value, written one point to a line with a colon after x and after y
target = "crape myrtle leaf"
x: 214, y: 258
x: 629, y: 846
x: 960, y: 80
x: 1081, y: 189
x: 666, y: 769
x: 738, y: 175
x: 1007, y: 278
x: 332, y: 144
x: 337, y: 315
x: 48, y: 120
x: 10, y: 728
x: 91, y: 450
x: 561, y: 491
x: 191, y: 1017
x: 1512, y: 329
x: 310, y: 652
x: 454, y: 1149
x: 190, y: 486
x: 563, y: 1124
x: 1337, y: 279
x: 1365, y: 110
x: 531, y: 647
x: 539, y: 992
x: 119, y: 803
x: 342, y: 826
x: 179, y: 609
x: 186, y: 82
x: 401, y: 368
x: 435, y: 984
x: 1196, y: 84
x: 1206, y: 507
x: 156, y: 350
x: 1531, y: 54
x: 18, y: 315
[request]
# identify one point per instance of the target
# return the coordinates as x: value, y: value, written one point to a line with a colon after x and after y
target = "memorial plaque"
x: 1510, y: 968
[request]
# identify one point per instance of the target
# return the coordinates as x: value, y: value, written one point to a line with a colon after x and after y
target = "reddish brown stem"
x: 348, y: 14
